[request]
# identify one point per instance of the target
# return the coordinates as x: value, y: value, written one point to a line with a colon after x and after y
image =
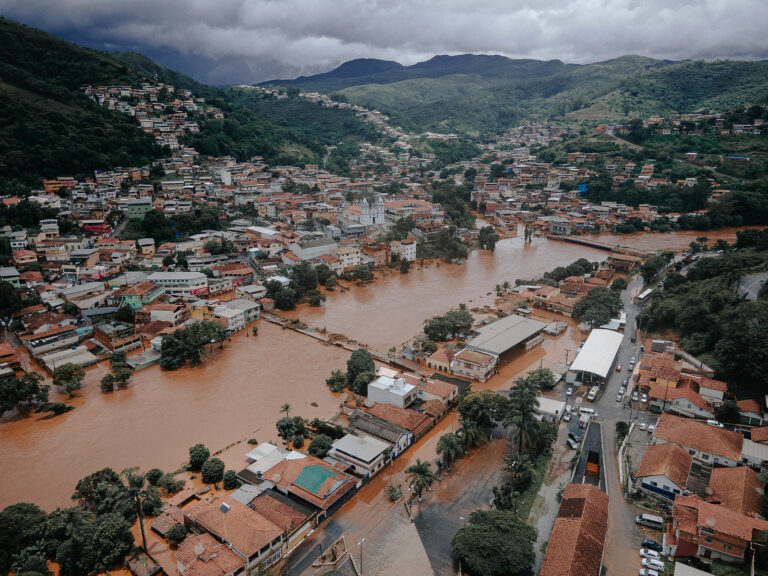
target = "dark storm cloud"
x: 251, y: 40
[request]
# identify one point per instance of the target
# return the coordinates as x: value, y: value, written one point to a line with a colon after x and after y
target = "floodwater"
x: 237, y: 394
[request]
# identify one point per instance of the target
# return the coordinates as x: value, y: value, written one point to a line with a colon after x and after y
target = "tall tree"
x: 449, y: 447
x: 420, y: 477
x: 521, y: 413
x: 135, y: 494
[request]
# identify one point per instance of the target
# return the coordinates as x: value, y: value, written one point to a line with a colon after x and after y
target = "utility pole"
x: 567, y: 351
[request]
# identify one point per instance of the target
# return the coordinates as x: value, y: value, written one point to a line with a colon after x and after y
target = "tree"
x: 188, y: 344
x: 111, y: 540
x: 337, y: 381
x: 541, y: 378
x: 482, y: 408
x: 95, y: 491
x: 31, y: 561
x: 286, y: 409
x: 619, y: 284
x: 420, y: 477
x: 598, y: 306
x: 289, y: 428
x: 520, y: 470
x: 405, y: 266
x: 286, y: 299
x: 359, y: 362
x: 360, y: 385
x: 108, y: 383
x: 495, y: 543
x: 21, y: 526
x: 177, y: 533
x: 471, y: 435
x: 212, y: 471
x: 449, y: 447
x: 135, y: 495
x: 320, y: 446
x: 449, y: 325
x: 728, y: 412
x: 198, y: 454
x: 303, y: 278
x: 651, y: 267
x: 21, y: 392
x: 69, y: 377
x: 230, y: 480
x: 522, y: 411
x: 487, y: 238
x: 315, y: 297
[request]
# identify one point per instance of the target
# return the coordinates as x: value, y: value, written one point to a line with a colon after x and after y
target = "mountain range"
x: 478, y: 94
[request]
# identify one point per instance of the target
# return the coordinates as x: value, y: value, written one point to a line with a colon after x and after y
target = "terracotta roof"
x: 749, y: 406
x: 700, y: 436
x: 668, y: 460
x: 713, y: 385
x: 52, y: 332
x: 474, y: 357
x: 6, y: 349
x: 412, y: 421
x: 216, y: 559
x: 721, y: 519
x: 576, y: 545
x: 140, y: 289
x: 760, y: 434
x: 287, y: 518
x: 436, y: 387
x: 246, y: 529
x: 737, y: 489
x: 686, y: 389
x: 444, y: 355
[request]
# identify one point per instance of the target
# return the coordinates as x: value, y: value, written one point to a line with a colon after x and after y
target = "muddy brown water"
x: 237, y: 394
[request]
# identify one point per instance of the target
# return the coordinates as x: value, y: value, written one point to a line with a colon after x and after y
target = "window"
x: 708, y: 540
x: 707, y: 531
x: 705, y: 456
x: 691, y: 452
x: 653, y: 483
x: 727, y: 546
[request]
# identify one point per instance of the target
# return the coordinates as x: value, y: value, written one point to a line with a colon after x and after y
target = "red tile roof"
x: 699, y: 436
x: 216, y: 558
x: 760, y: 434
x: 576, y: 545
x: 668, y: 460
x: 412, y: 421
x: 720, y: 519
x: 737, y: 489
x: 749, y: 406
x: 285, y: 473
x: 287, y: 518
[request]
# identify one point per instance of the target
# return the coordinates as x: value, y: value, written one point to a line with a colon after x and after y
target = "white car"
x: 642, y: 425
x: 651, y: 428
x: 652, y: 563
x: 619, y: 397
x: 569, y: 391
x: 645, y: 572
x: 568, y: 408
x: 644, y: 399
x: 634, y: 396
x: 646, y: 553
x: 567, y: 417
x: 715, y: 423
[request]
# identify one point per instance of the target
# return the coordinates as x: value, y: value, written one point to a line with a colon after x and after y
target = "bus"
x: 593, y: 393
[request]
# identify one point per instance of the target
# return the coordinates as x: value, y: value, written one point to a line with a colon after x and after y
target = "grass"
x: 527, y: 498
x: 721, y: 568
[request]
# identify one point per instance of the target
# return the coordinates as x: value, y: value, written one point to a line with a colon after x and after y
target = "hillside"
x: 481, y: 94
x: 48, y: 127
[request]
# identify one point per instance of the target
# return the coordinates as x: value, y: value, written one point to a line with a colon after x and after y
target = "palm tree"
x: 286, y: 409
x: 135, y: 493
x: 420, y: 476
x: 506, y: 285
x: 522, y: 413
x: 449, y: 447
x: 471, y: 435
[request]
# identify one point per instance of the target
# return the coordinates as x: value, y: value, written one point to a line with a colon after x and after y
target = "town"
x: 491, y: 362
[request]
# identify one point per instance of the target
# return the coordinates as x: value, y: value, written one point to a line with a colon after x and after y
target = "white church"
x: 366, y: 214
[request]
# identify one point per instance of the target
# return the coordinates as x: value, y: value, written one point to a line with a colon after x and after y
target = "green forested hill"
x: 479, y: 94
x: 49, y: 128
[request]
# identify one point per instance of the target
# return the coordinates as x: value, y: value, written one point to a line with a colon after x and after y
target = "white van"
x: 650, y: 520
x: 589, y: 411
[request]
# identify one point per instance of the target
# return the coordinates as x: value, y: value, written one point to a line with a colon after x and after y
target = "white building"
x: 183, y: 284
x: 474, y: 364
x: 405, y: 249
x: 393, y: 391
x: 366, y: 454
x: 350, y: 256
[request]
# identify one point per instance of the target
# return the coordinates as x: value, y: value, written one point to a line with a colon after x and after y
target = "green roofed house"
x: 313, y: 481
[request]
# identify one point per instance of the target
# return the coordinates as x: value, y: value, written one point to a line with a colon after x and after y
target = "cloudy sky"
x: 245, y: 41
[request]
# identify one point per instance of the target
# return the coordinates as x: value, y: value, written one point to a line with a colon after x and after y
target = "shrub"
x: 177, y: 533
x: 153, y: 476
x: 298, y: 441
x: 230, y: 480
x: 213, y: 471
x: 198, y: 454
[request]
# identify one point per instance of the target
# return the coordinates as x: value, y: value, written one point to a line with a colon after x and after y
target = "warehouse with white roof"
x: 596, y: 358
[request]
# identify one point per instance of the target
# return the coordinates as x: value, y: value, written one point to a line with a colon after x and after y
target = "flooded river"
x: 237, y: 394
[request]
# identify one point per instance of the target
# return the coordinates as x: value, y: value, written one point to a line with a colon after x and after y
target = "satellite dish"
x: 199, y: 549
x: 224, y: 508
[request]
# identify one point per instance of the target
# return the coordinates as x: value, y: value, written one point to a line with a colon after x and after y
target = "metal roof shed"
x: 598, y: 353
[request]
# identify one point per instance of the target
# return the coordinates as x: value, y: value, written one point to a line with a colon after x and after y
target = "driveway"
x: 750, y: 285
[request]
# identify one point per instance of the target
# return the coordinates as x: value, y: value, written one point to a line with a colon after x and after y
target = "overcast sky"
x: 246, y: 41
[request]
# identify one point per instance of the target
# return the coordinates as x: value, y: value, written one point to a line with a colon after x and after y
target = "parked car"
x: 651, y: 428
x: 619, y: 396
x: 643, y: 425
x: 567, y: 417
x: 634, y: 396
x: 573, y: 445
x: 715, y: 423
x: 648, y: 553
x: 646, y: 572
x: 632, y: 360
x: 652, y: 563
x: 633, y: 339
x: 569, y: 391
x: 574, y: 437
x: 651, y: 544
x: 644, y: 399
x: 618, y: 367
x: 623, y: 389
x: 568, y: 408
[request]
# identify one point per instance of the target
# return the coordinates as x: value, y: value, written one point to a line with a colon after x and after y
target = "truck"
x: 593, y: 468
x: 593, y: 393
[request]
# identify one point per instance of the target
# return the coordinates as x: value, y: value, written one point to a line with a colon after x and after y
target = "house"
x: 441, y: 359
x: 365, y: 454
x: 141, y: 294
x: 254, y: 538
x: 117, y: 336
x: 314, y: 482
x: 183, y: 284
x: 50, y: 340
x: 550, y: 409
x: 417, y: 424
x: 395, y: 391
x: 8, y: 355
x: 700, y: 528
x: 428, y: 389
x: 684, y: 400
x: 146, y: 247
x: 11, y: 275
x: 759, y: 435
x: 293, y: 518
x: 24, y: 257
x: 576, y: 544
x: 738, y: 489
x: 708, y: 443
x: 397, y: 436
x: 404, y: 249
x: 203, y: 555
x: 664, y: 470
x: 750, y: 413
x: 474, y: 364
x: 712, y: 390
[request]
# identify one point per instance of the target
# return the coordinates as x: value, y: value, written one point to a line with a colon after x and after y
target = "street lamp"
x: 224, y: 508
x: 464, y: 519
x: 212, y: 343
x: 361, y: 555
